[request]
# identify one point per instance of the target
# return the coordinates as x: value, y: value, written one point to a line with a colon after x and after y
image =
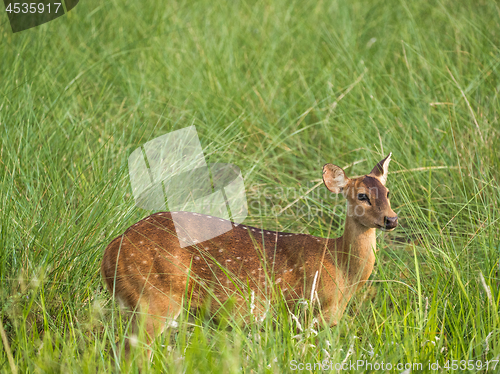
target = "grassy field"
x: 278, y: 88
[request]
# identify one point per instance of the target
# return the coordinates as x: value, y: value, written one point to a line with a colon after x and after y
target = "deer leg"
x: 333, y: 308
x: 154, y: 315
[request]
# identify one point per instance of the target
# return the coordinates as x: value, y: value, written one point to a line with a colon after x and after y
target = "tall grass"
x: 278, y: 88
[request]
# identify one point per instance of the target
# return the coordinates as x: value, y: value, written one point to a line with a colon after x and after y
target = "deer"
x: 147, y: 271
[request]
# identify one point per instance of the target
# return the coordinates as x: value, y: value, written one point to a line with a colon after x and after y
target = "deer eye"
x: 363, y: 197
x: 388, y: 192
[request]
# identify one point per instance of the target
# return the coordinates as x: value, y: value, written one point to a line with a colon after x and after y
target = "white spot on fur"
x: 196, y: 258
x: 278, y: 280
x: 221, y: 250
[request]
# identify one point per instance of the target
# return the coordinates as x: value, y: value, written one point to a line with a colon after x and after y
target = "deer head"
x: 367, y: 197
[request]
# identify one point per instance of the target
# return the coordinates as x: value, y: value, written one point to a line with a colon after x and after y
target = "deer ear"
x: 334, y: 178
x: 381, y: 170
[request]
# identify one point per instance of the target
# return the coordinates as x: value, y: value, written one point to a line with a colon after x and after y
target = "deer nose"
x: 391, y: 222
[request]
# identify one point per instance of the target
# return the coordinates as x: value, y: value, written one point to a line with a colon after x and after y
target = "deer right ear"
x: 380, y: 170
x: 334, y: 178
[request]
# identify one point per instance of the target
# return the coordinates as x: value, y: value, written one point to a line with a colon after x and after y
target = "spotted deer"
x: 148, y: 271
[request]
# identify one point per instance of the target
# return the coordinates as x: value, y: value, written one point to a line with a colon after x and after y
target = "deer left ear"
x: 381, y: 170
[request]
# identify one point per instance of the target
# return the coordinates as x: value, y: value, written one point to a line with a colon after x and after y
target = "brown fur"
x: 148, y: 271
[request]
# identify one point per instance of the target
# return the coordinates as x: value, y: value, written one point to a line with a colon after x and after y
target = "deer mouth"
x: 385, y: 228
x: 388, y: 229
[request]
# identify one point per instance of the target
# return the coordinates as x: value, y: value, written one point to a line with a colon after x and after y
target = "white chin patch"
x: 388, y: 230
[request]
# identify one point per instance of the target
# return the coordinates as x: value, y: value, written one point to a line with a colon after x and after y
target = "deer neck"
x: 357, y: 244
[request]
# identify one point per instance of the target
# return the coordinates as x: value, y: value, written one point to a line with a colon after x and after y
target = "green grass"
x: 278, y: 88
